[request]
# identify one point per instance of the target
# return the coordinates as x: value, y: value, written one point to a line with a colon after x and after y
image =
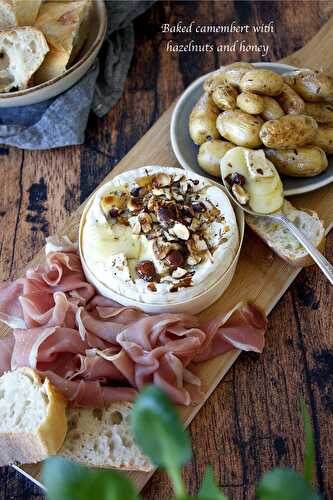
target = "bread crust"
x: 18, y: 12
x: 64, y: 25
x: 31, y: 447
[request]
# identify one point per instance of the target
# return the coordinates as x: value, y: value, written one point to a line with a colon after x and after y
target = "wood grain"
x: 251, y: 422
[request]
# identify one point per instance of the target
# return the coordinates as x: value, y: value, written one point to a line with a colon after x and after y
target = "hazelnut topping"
x: 172, y: 214
x: 175, y: 258
x: 167, y: 214
x: 146, y: 270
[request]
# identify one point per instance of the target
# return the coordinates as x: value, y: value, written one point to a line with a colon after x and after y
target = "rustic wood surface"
x: 251, y: 422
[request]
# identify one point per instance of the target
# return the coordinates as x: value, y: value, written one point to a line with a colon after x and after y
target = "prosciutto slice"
x: 95, y: 350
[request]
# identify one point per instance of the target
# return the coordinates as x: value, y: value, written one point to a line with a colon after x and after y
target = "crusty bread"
x: 278, y: 237
x: 18, y: 12
x: 33, y: 420
x: 102, y: 438
x: 22, y: 51
x: 65, y: 25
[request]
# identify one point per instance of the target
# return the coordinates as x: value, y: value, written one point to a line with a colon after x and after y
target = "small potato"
x: 262, y: 81
x: 313, y: 86
x: 210, y: 155
x: 320, y: 111
x: 250, y: 103
x: 306, y: 161
x: 214, y: 80
x: 289, y: 131
x: 272, y: 109
x: 290, y: 101
x: 324, y: 138
x: 202, y: 124
x: 224, y: 96
x: 240, y: 128
x: 235, y: 71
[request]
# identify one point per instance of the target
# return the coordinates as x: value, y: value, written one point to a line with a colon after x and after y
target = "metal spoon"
x: 317, y: 256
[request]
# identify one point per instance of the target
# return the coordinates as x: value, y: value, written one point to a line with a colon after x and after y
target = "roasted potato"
x: 234, y: 72
x: 202, y: 124
x: 224, y: 96
x: 324, y: 138
x: 305, y: 161
x: 240, y: 128
x: 214, y: 80
x: 272, y: 109
x: 290, y: 101
x: 322, y: 112
x: 250, y: 103
x: 289, y: 131
x: 313, y: 86
x: 210, y: 155
x: 262, y: 81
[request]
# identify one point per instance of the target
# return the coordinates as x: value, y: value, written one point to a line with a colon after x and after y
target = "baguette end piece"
x: 33, y: 420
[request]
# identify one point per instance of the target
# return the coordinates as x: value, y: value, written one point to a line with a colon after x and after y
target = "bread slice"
x: 102, y: 438
x: 33, y: 420
x: 65, y: 25
x: 282, y: 242
x: 22, y: 51
x: 18, y: 12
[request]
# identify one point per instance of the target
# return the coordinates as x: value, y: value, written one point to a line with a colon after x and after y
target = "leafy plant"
x: 160, y: 435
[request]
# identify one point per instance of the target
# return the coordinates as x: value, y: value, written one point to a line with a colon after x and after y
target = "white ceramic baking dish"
x: 194, y: 305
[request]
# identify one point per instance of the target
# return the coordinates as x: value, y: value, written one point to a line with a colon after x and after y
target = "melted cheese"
x: 265, y: 191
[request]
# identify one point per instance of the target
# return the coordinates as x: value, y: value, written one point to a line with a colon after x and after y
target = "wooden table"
x: 252, y: 421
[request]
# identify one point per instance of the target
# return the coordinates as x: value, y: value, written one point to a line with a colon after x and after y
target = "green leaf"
x: 285, y: 484
x: 158, y: 430
x: 309, y: 454
x: 65, y: 480
x: 209, y: 489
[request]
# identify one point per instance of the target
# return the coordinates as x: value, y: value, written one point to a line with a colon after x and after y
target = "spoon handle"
x: 317, y: 256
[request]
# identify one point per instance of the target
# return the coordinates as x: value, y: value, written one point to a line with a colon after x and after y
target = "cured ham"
x: 96, y: 351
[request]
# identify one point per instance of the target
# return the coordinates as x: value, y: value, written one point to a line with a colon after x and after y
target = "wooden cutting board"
x: 261, y: 276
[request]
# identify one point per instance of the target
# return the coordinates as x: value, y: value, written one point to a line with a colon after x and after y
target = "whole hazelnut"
x: 166, y: 214
x: 146, y: 270
x: 175, y: 258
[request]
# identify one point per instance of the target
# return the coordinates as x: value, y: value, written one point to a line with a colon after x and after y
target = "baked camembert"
x: 159, y: 235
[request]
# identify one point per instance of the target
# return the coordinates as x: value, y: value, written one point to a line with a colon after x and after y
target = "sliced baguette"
x: 33, y: 420
x: 102, y: 438
x: 18, y: 12
x: 279, y: 239
x: 65, y: 25
x: 22, y: 51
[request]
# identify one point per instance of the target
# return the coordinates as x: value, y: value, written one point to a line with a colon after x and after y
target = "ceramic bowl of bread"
x: 46, y: 47
x: 161, y: 239
x: 286, y: 111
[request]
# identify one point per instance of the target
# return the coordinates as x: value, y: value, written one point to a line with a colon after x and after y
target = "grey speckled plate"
x: 186, y: 151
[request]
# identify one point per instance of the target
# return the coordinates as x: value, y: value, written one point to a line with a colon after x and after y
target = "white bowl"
x: 186, y: 151
x: 51, y: 88
x: 194, y: 305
